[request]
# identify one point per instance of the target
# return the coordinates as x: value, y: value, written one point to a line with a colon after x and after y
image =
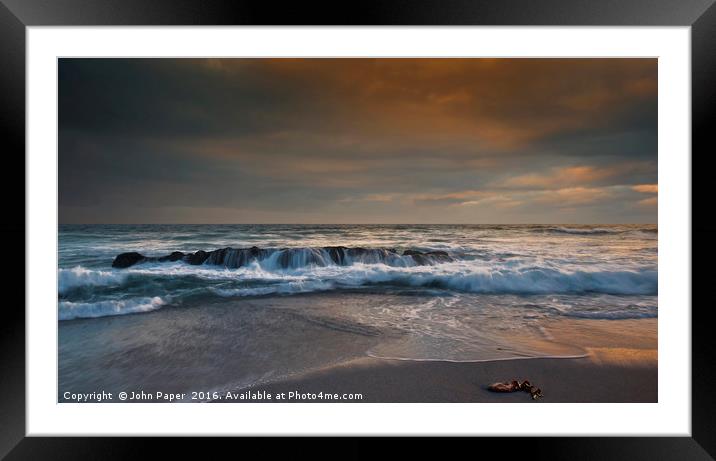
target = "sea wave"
x: 461, y: 276
x: 72, y: 310
x: 79, y: 276
x: 532, y: 280
x: 607, y: 315
x: 583, y: 230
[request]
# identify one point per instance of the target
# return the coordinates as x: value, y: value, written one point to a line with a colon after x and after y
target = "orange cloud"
x: 562, y: 197
x: 563, y: 177
x: 454, y: 198
x: 574, y: 196
x: 497, y: 201
x: 646, y: 188
x: 493, y: 101
x: 648, y: 202
x: 379, y: 198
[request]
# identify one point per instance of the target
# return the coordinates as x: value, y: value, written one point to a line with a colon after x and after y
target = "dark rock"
x: 356, y: 252
x: 431, y: 257
x: 174, y: 256
x: 196, y: 258
x: 337, y: 254
x: 217, y: 257
x: 127, y: 259
x: 235, y: 257
x: 294, y: 257
x: 418, y: 256
x: 288, y: 257
x: 439, y: 256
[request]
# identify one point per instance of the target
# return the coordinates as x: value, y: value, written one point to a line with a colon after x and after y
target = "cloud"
x: 501, y: 103
x: 646, y: 188
x: 560, y: 177
x: 498, y: 201
x: 562, y: 197
x: 651, y: 202
x: 573, y: 196
x: 370, y: 198
x: 355, y: 139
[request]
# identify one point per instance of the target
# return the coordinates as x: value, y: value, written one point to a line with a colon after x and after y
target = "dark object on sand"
x: 515, y: 386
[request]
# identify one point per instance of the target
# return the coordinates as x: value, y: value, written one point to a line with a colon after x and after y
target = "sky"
x: 474, y: 141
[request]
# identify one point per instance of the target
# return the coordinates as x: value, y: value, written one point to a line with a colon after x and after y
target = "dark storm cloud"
x: 357, y: 140
x: 155, y: 98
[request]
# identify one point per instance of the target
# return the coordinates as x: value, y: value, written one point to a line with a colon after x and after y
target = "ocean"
x: 285, y: 299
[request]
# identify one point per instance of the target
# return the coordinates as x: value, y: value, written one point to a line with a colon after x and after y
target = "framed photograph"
x: 354, y: 227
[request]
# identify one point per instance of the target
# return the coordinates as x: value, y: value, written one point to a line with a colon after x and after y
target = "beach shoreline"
x: 242, y: 355
x: 619, y: 365
x: 398, y: 381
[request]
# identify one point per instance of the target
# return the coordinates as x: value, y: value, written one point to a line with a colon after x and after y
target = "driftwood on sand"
x: 515, y: 386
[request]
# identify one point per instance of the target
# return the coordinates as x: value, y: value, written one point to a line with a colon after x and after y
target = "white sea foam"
x: 79, y: 276
x: 70, y: 310
x: 466, y: 276
x: 598, y: 271
x: 284, y: 288
x: 517, y: 277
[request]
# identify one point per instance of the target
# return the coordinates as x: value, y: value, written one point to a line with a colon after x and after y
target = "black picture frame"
x: 16, y: 15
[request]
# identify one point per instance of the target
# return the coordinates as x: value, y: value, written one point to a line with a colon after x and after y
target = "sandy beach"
x: 619, y: 365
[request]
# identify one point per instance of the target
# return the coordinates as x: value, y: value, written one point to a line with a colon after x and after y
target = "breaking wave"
x: 70, y: 310
x: 262, y: 278
x: 139, y: 283
x: 68, y: 279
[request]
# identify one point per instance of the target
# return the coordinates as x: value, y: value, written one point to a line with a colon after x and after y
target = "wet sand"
x: 619, y: 364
